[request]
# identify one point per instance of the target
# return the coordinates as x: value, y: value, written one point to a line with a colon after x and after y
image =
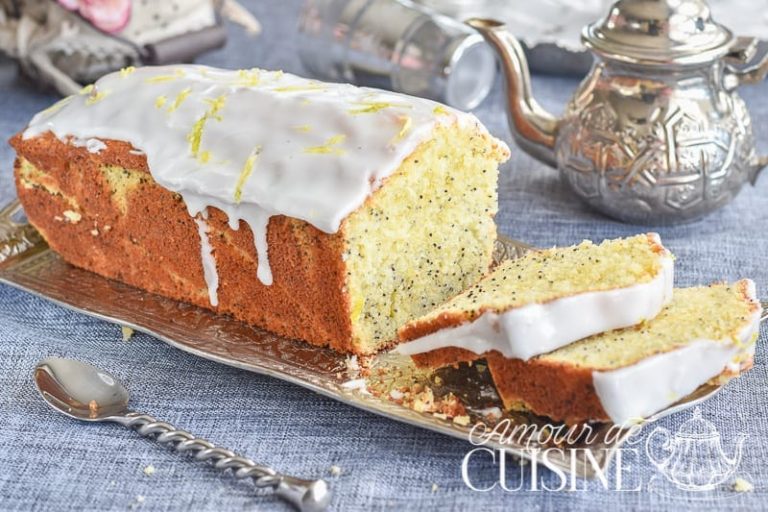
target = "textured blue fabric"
x: 48, y: 462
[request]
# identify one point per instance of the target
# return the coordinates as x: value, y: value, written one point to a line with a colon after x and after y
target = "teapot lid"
x: 659, y: 32
x: 697, y: 427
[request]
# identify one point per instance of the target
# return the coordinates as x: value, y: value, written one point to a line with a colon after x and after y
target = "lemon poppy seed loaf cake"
x: 323, y: 212
x: 545, y: 300
x: 705, y: 333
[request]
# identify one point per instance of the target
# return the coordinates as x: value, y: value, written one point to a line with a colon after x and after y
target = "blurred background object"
x: 550, y: 30
x: 397, y: 45
x: 67, y: 43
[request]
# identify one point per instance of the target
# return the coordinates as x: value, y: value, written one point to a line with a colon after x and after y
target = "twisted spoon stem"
x: 306, y: 495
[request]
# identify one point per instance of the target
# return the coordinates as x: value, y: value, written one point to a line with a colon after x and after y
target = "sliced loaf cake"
x: 324, y: 212
x: 545, y: 300
x: 625, y: 375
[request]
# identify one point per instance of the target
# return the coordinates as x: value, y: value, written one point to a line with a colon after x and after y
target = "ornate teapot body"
x: 656, y: 133
x: 696, y: 461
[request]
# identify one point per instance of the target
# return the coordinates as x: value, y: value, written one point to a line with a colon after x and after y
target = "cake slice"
x: 324, y: 212
x: 545, y: 300
x: 625, y: 375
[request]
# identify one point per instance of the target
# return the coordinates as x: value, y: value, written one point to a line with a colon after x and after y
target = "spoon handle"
x: 305, y: 495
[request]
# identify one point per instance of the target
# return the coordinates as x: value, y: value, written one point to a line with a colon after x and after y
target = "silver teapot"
x: 656, y: 133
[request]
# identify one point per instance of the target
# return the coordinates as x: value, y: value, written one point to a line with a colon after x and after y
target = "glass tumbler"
x: 396, y: 45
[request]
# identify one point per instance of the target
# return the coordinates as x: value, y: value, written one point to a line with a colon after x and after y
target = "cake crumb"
x: 462, y: 420
x: 149, y: 470
x: 741, y: 485
x: 138, y: 500
x: 95, y: 232
x: 354, y: 384
x: 127, y: 332
x: 493, y: 413
x: 424, y: 401
x: 364, y: 364
x: 352, y: 364
x: 409, y: 388
x: 72, y: 216
x: 334, y: 470
x: 435, y: 487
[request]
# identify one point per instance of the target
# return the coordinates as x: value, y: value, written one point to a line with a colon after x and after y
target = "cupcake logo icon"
x: 693, y: 459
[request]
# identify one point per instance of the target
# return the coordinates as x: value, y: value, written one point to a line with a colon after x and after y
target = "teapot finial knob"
x: 662, y: 33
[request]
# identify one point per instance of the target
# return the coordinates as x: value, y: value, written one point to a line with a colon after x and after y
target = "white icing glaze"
x: 209, y: 263
x: 534, y: 329
x: 356, y: 385
x: 634, y: 392
x: 253, y: 143
x: 493, y: 412
x: 91, y: 145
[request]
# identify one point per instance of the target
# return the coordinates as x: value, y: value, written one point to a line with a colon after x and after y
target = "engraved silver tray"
x: 27, y: 263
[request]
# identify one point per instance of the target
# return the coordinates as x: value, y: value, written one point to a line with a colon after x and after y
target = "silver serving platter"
x: 27, y: 263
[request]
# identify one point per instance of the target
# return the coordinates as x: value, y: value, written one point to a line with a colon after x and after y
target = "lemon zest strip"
x: 329, y: 147
x: 245, y: 173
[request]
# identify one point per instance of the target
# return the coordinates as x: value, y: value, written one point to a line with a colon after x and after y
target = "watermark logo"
x: 689, y: 461
x: 694, y: 458
x: 567, y: 451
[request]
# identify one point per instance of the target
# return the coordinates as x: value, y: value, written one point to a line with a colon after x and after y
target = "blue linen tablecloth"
x: 48, y: 462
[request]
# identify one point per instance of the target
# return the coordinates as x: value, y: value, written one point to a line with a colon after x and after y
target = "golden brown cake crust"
x: 561, y: 392
x: 415, y: 330
x: 558, y: 391
x: 306, y: 301
x: 444, y: 357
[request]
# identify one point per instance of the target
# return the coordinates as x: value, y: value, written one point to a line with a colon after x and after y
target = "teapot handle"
x: 650, y: 444
x: 743, y: 66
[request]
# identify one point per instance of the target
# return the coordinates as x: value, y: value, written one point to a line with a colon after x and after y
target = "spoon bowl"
x: 86, y: 393
x: 80, y: 390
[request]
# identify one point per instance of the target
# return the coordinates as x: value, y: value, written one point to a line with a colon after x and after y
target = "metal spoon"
x: 86, y: 393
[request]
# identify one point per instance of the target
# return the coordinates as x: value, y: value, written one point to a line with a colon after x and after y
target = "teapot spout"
x: 533, y: 128
x: 734, y: 461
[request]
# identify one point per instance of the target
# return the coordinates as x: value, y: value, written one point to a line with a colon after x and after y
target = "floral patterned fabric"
x: 111, y: 16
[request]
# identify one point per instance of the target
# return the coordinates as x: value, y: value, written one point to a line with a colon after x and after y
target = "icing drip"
x: 209, y: 262
x: 91, y: 145
x: 253, y: 143
x: 259, y: 224
x: 256, y: 217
